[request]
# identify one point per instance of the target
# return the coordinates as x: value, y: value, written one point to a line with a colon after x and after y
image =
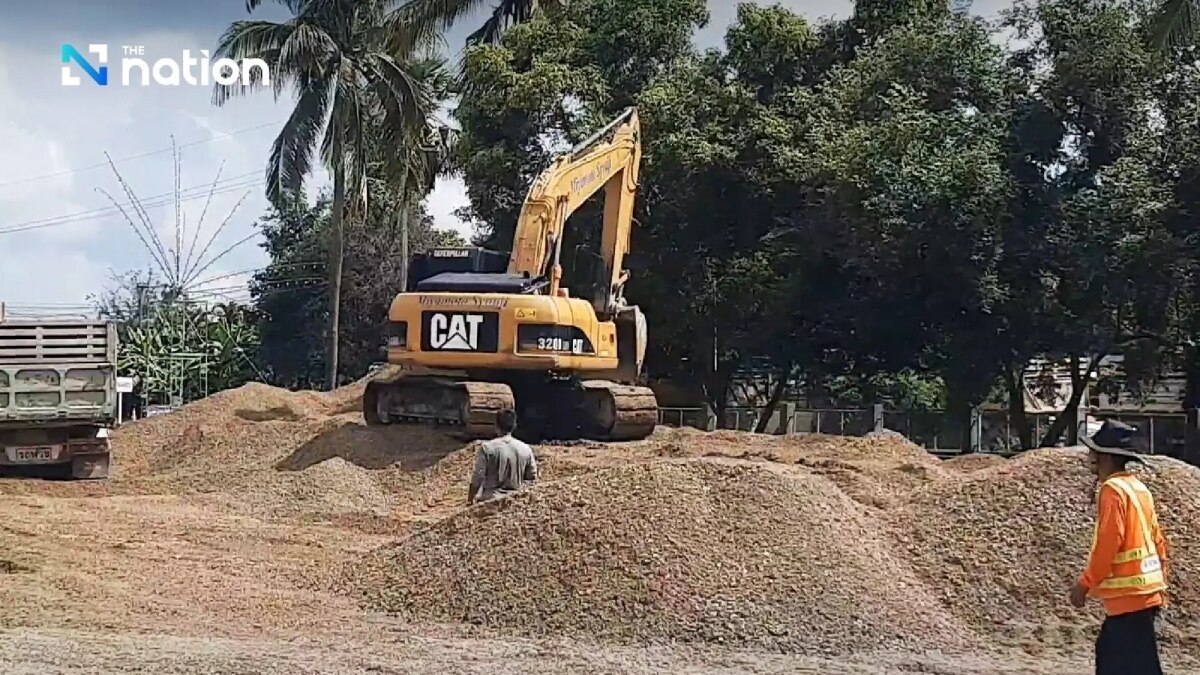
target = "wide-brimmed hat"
x: 1114, y: 438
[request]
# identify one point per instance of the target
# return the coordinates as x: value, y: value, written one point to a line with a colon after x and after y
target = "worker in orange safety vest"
x: 1127, y: 565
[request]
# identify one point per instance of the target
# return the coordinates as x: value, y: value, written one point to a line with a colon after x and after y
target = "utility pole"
x: 141, y: 301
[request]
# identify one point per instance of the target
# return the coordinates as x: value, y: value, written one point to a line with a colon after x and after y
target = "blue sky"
x: 54, y: 137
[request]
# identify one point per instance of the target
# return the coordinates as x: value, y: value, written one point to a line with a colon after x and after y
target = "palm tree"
x: 1175, y: 23
x: 407, y: 166
x: 334, y: 56
x: 418, y: 21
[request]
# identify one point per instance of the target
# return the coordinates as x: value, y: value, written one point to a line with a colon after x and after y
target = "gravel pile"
x: 1001, y: 546
x: 873, y: 471
x: 772, y: 542
x: 699, y: 550
x: 277, y: 453
x: 974, y: 462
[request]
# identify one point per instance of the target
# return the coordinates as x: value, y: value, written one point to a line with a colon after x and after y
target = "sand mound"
x: 346, y: 399
x: 1002, y: 546
x: 139, y: 444
x: 273, y: 445
x: 705, y: 550
x: 974, y: 462
x: 281, y: 453
x: 878, y: 470
x: 886, y: 448
x: 873, y: 471
x: 736, y: 538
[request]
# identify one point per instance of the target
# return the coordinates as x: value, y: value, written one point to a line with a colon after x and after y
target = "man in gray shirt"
x: 502, y: 465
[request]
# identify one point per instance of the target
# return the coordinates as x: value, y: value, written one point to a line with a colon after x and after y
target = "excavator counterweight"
x: 479, y: 333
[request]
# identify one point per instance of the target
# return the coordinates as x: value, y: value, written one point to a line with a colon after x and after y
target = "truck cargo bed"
x: 42, y: 342
x: 58, y: 397
x: 52, y: 372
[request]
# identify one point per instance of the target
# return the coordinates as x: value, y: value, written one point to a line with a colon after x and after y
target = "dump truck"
x: 482, y: 332
x: 58, y: 396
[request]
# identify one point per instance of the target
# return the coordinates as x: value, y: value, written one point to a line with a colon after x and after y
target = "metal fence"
x: 929, y: 430
x: 1165, y: 432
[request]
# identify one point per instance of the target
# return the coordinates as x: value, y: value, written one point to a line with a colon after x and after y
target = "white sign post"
x: 124, y: 386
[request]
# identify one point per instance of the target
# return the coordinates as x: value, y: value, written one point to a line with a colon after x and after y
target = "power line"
x: 238, y: 294
x: 209, y: 280
x: 239, y: 177
x: 231, y: 184
x: 246, y: 297
x: 100, y: 165
x: 254, y: 286
x: 49, y: 305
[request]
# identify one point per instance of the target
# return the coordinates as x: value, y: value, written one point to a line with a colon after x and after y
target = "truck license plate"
x: 40, y: 454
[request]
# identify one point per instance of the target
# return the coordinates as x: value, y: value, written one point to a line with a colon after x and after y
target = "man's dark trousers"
x: 1127, y: 645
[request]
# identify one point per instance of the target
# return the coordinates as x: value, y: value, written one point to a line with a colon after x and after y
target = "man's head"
x: 1112, y: 448
x: 506, y: 421
x: 1105, y: 464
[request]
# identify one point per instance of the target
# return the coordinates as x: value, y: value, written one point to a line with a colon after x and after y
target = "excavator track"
x: 469, y: 408
x: 618, y: 412
x: 592, y: 409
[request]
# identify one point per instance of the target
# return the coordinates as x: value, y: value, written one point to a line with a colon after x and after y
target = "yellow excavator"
x: 475, y: 335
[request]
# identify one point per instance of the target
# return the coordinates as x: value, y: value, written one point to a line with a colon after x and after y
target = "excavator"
x: 475, y: 336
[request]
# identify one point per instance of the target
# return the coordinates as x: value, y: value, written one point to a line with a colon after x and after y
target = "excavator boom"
x: 473, y: 338
x: 608, y: 160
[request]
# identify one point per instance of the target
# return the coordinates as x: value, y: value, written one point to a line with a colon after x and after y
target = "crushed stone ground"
x: 261, y: 526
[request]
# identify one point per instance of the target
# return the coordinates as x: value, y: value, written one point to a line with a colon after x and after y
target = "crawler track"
x: 618, y: 412
x: 468, y: 407
x: 592, y: 409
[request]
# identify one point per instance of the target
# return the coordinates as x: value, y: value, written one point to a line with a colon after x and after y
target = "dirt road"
x: 37, y: 653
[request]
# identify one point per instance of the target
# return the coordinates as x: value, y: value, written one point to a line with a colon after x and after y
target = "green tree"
x: 1175, y: 23
x: 891, y: 207
x: 867, y: 192
x: 415, y: 21
x: 292, y: 306
x: 336, y: 59
x: 403, y: 167
x: 929, y: 105
x: 1178, y: 166
x: 182, y: 347
x: 1115, y: 264
x: 553, y: 81
x: 293, y: 315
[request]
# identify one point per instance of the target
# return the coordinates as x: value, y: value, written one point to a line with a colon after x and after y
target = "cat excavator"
x: 475, y: 336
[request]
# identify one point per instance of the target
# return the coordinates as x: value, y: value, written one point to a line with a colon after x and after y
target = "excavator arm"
x: 608, y: 160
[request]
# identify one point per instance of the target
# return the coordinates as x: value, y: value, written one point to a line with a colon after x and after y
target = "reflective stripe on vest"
x: 1136, y: 570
